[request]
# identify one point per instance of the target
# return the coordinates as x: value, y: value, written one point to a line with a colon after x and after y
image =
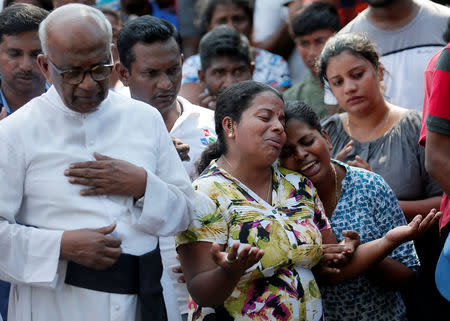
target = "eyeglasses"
x: 76, y: 76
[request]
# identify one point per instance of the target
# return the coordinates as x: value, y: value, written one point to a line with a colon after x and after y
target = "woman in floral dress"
x: 256, y: 230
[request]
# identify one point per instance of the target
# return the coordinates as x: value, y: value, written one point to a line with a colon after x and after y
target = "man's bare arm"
x: 437, y: 158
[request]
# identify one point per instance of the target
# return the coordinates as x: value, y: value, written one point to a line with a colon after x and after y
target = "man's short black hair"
x: 19, y: 18
x: 146, y: 29
x: 44, y: 4
x: 313, y: 17
x: 224, y: 41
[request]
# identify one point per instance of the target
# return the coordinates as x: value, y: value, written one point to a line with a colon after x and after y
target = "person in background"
x: 44, y: 4
x: 225, y: 59
x: 270, y: 69
x: 271, y: 27
x: 21, y: 79
x: 347, y: 9
x: 59, y: 3
x: 190, y: 31
x: 407, y: 33
x: 150, y: 65
x: 311, y: 26
x: 379, y: 136
x: 358, y: 200
x: 435, y: 135
x: 130, y: 9
x: 115, y: 20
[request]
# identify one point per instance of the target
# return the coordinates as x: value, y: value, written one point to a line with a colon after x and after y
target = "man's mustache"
x: 30, y: 74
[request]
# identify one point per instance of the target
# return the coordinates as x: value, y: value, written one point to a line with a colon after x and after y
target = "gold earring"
x: 230, y: 134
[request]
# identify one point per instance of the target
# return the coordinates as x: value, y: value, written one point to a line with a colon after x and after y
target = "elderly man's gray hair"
x: 83, y: 10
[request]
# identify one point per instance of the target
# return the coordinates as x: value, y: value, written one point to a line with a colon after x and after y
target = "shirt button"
x: 91, y: 142
x: 116, y: 307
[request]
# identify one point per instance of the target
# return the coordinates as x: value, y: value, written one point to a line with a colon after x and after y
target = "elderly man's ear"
x: 43, y: 65
x: 123, y: 73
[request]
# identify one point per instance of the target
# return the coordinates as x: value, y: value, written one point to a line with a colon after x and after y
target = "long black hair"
x: 232, y: 102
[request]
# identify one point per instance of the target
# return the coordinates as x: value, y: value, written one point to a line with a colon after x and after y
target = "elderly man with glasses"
x: 70, y: 257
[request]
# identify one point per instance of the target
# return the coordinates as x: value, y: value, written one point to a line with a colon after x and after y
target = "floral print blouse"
x: 281, y: 285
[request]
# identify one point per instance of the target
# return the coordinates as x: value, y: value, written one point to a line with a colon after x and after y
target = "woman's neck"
x: 368, y: 126
x: 256, y: 177
x: 329, y: 189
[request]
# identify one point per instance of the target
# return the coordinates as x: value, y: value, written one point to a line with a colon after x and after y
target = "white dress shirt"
x: 37, y: 143
x: 194, y: 127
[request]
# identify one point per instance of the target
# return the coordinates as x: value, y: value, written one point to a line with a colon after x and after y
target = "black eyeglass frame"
x: 90, y: 70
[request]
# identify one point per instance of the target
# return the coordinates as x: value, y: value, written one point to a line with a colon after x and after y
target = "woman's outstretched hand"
x: 234, y: 261
x: 414, y: 229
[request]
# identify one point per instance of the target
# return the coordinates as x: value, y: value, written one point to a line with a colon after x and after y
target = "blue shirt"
x: 369, y: 206
x: 3, y: 102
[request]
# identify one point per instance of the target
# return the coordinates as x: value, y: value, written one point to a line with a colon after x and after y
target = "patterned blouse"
x: 369, y: 206
x: 270, y: 69
x: 281, y: 285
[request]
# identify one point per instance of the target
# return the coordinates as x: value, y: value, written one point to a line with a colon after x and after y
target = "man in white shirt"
x: 20, y: 77
x: 408, y: 33
x: 20, y: 80
x: 59, y: 255
x: 150, y: 65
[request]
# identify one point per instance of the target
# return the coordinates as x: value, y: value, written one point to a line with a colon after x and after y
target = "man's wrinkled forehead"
x: 77, y: 38
x: 76, y: 27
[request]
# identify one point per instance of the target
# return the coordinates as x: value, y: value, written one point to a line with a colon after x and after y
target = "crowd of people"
x: 224, y: 160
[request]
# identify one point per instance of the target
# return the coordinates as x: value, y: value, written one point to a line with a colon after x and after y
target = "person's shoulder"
x: 27, y: 115
x: 363, y: 180
x: 443, y: 60
x: 299, y: 90
x: 411, y: 119
x: 125, y: 104
x: 331, y: 122
x: 294, y: 93
x: 293, y: 178
x: 191, y: 108
x: 192, y: 60
x: 433, y: 9
x: 210, y: 178
x: 267, y: 55
x: 195, y: 116
x: 358, y: 24
x: 362, y: 174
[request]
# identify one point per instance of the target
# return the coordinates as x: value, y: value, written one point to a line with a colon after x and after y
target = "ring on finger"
x: 230, y: 261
